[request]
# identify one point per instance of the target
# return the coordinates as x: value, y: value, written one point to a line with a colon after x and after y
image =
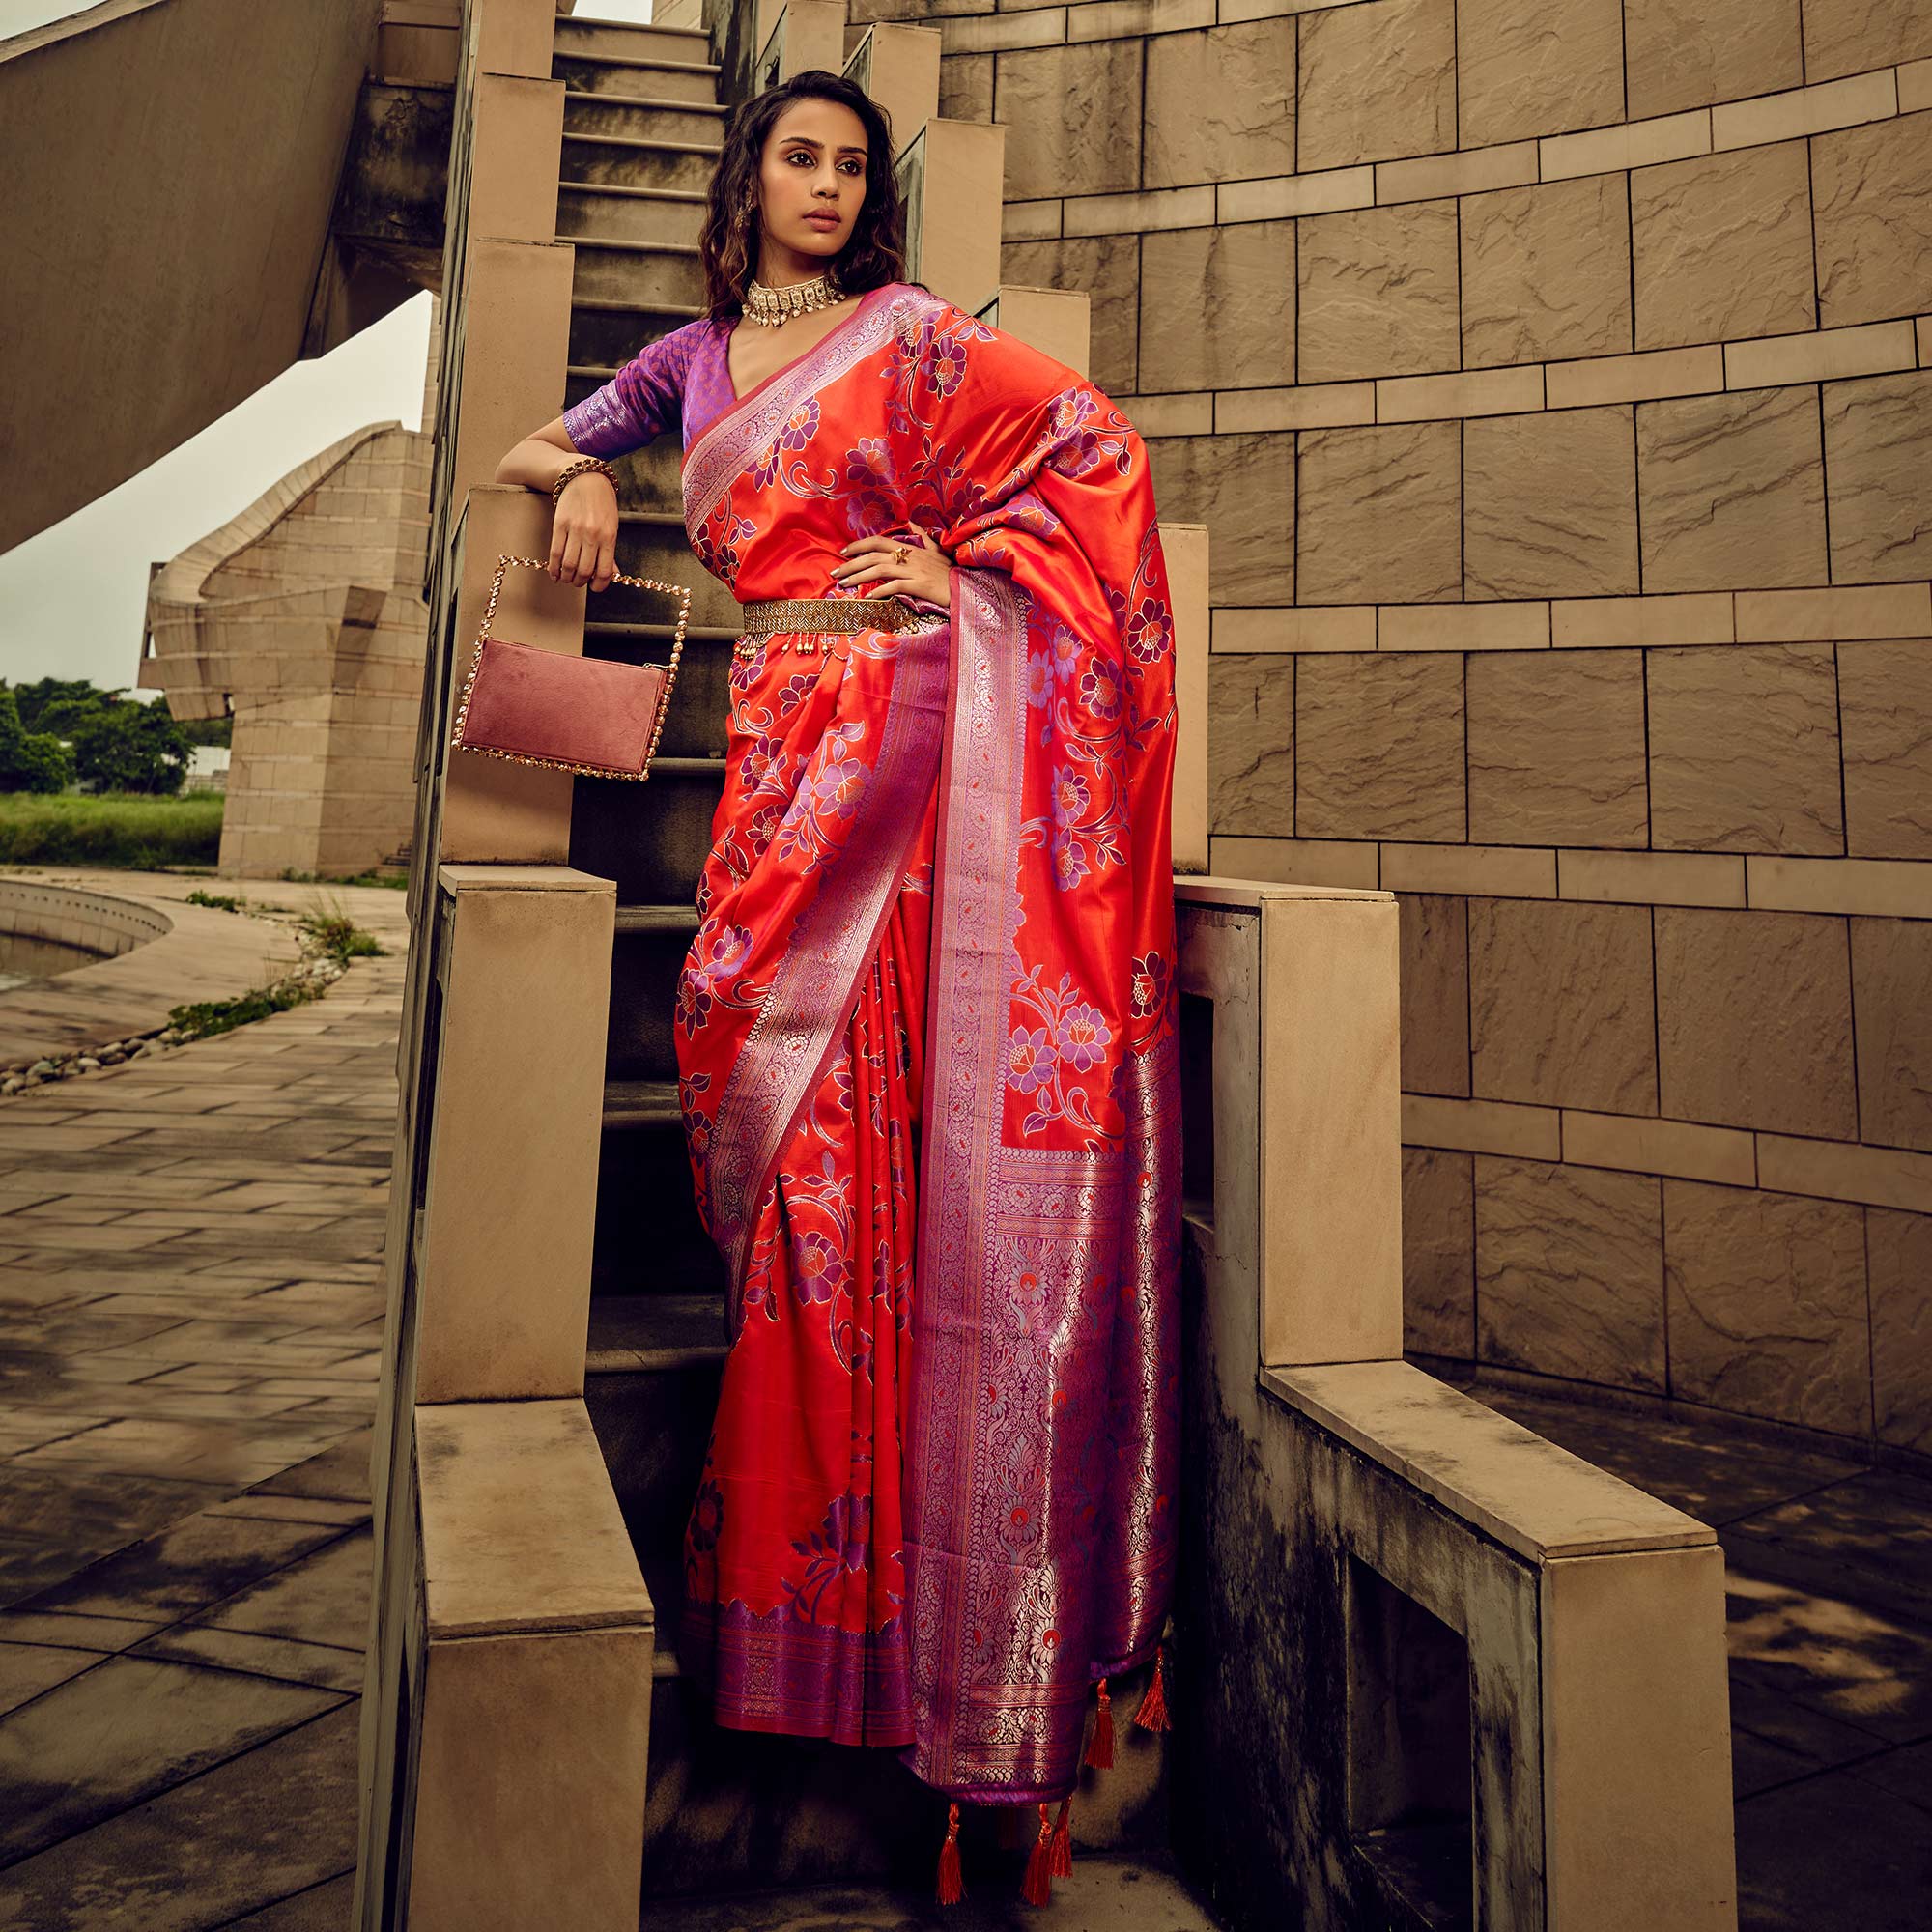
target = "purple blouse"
x: 681, y: 377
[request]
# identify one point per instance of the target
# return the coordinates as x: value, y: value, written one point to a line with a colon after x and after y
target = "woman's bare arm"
x: 584, y: 536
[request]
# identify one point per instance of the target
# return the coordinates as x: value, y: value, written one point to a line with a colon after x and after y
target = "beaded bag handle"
x: 503, y: 562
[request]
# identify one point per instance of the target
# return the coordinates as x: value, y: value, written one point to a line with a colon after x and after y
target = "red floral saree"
x: 926, y: 1047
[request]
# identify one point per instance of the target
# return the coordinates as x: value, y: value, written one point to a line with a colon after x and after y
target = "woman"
x: 926, y: 1032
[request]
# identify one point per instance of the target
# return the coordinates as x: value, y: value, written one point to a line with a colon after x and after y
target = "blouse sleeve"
x: 642, y: 400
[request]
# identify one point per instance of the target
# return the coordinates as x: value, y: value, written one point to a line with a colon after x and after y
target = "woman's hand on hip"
x: 911, y: 565
x: 584, y: 536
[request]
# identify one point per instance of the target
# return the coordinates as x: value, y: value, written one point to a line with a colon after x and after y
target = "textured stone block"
x: 1381, y: 515
x: 1550, y: 504
x: 1220, y: 105
x: 1561, y: 1006
x: 1438, y: 1245
x: 1754, y: 1020
x: 1251, y: 745
x: 1377, y: 82
x: 1378, y: 292
x: 1570, y: 1272
x: 1873, y: 191
x: 1878, y: 464
x: 1885, y: 712
x: 1767, y: 1301
x: 1532, y: 71
x: 1434, y: 983
x: 1744, y: 748
x: 1217, y: 307
x: 1898, y: 1250
x: 1892, y: 996
x: 1480, y: 871
x: 1851, y: 36
x: 1072, y: 116
x: 1723, y: 246
x: 1556, y: 747
x: 1378, y: 748
x: 1693, y: 53
x: 1731, y: 491
x: 965, y: 91
x: 1482, y: 1126
x: 1107, y: 267
x: 1546, y: 272
x: 1242, y: 488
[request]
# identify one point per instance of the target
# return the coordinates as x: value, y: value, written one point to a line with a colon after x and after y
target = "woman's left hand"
x: 908, y: 565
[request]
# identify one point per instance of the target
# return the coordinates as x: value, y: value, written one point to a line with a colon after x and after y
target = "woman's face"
x: 812, y: 177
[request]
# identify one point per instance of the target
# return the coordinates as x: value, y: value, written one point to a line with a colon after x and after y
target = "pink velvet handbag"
x: 574, y: 714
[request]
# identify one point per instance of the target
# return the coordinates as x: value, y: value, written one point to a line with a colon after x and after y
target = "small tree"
x: 30, y: 760
x: 131, y: 747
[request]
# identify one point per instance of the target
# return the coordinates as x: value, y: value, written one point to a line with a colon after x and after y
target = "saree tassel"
x: 1061, y: 1855
x: 1100, y: 1745
x: 950, y: 1888
x: 1153, y: 1713
x: 1037, y: 1887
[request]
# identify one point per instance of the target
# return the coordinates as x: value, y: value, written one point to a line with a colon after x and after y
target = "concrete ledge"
x: 1533, y: 1497
x: 533, y: 1631
x: 190, y: 952
x: 520, y: 1531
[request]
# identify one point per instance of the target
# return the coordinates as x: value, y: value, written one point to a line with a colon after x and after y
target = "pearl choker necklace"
x: 772, y: 308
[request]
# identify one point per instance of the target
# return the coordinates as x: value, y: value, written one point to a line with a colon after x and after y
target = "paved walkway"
x: 190, y: 1321
x: 190, y: 1328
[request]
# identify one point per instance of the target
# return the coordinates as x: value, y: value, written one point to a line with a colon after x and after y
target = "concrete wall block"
x: 1891, y: 1002
x: 1217, y: 307
x: 1754, y: 1020
x: 1549, y: 505
x: 1251, y: 744
x: 1767, y: 1304
x: 1744, y: 748
x: 1723, y: 246
x: 1220, y: 105
x: 1546, y: 272
x: 1885, y: 705
x: 1378, y: 748
x: 1377, y: 82
x: 1242, y: 488
x: 1537, y: 72
x: 1878, y: 465
x: 1731, y: 491
x: 1439, y: 1283
x: 1435, y: 994
x: 1694, y: 54
x: 1379, y: 292
x: 1556, y: 747
x: 1356, y: 487
x: 1899, y: 1252
x: 1072, y: 116
x: 1562, y: 1004
x: 1570, y: 1272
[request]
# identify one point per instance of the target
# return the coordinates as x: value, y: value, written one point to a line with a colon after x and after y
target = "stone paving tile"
x: 330, y: 1666
x: 189, y: 1566
x: 121, y: 1732
x: 26, y: 1669
x: 1833, y: 1851
x: 323, y: 1908
x: 322, y: 1599
x: 246, y: 1835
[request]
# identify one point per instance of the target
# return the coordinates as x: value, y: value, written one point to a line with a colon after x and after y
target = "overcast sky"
x: 72, y: 599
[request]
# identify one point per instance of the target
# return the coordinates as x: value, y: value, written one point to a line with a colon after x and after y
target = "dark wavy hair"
x: 875, y: 253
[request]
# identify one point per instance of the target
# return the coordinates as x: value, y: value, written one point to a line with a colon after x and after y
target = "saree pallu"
x: 926, y: 1056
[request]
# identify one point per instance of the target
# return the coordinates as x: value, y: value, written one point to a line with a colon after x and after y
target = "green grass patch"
x: 221, y: 901
x: 127, y: 830
x: 340, y: 937
x: 398, y: 881
x: 331, y: 935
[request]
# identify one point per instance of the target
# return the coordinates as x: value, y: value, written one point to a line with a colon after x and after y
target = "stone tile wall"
x: 1556, y: 386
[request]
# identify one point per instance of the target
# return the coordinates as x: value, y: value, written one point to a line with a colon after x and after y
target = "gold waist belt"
x: 818, y: 615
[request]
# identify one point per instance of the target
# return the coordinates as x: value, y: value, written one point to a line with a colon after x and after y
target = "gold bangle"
x: 578, y: 468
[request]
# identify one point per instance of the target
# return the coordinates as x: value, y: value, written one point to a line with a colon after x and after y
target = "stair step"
x: 654, y: 1332
x: 612, y: 213
x: 636, y: 77
x: 616, y: 39
x: 622, y: 117
x: 608, y: 329
x: 1107, y: 1892
x: 648, y: 273
x: 633, y: 102
x: 611, y: 160
x: 642, y: 1103
x: 657, y: 919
